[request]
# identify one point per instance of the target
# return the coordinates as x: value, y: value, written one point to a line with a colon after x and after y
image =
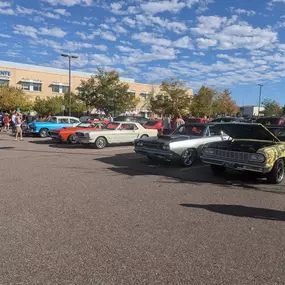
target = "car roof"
x: 200, y: 124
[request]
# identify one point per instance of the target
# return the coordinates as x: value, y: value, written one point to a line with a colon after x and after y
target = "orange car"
x: 67, y: 134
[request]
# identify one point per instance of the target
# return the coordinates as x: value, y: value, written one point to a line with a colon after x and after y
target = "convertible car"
x: 67, y: 134
x: 252, y: 148
x: 116, y: 132
x: 183, y: 145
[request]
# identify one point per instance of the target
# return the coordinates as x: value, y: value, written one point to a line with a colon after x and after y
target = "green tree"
x: 105, y: 90
x: 172, y: 99
x: 11, y: 98
x: 77, y: 105
x: 223, y: 104
x: 271, y: 108
x: 49, y: 105
x: 202, y: 103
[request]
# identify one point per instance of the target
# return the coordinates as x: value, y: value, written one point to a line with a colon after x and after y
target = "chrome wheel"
x: 100, y: 143
x: 280, y: 171
x: 276, y: 175
x: 71, y: 139
x: 44, y: 133
x: 188, y: 157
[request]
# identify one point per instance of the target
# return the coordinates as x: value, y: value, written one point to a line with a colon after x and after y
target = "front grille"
x: 232, y: 155
x: 53, y: 134
x: 79, y: 134
x: 153, y: 145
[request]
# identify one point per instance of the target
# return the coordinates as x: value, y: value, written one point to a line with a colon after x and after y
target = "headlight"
x: 208, y: 151
x: 86, y: 135
x: 257, y: 157
x: 140, y: 144
x: 166, y: 147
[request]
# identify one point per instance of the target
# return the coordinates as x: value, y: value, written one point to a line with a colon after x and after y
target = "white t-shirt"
x: 13, y: 118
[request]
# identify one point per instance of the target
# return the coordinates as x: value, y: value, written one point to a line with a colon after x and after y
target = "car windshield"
x: 112, y: 126
x: 190, y: 130
x: 52, y: 120
x: 84, y: 125
x: 151, y: 123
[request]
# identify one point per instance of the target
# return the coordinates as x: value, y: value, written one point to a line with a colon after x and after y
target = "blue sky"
x: 232, y: 44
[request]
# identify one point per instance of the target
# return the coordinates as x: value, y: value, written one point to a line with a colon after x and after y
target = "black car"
x: 230, y: 120
x: 137, y: 119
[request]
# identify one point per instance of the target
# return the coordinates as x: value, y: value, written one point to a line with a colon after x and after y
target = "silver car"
x: 183, y: 145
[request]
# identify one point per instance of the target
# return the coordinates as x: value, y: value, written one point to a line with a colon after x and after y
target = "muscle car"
x: 55, y: 122
x: 183, y: 145
x: 67, y: 134
x: 115, y: 132
x: 252, y: 148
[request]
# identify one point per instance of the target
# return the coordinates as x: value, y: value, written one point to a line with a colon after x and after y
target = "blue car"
x: 56, y: 122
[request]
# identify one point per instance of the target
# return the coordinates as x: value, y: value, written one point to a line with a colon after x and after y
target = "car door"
x: 128, y: 133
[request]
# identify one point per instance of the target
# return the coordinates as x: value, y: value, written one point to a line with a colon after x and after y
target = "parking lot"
x: 74, y: 215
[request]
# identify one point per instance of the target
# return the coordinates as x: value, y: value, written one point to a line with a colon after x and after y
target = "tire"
x: 71, y: 140
x: 144, y: 136
x: 100, y: 142
x: 218, y: 170
x: 188, y: 157
x: 276, y: 175
x: 44, y: 133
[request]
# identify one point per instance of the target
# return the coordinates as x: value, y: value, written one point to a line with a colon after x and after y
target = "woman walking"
x: 18, y: 123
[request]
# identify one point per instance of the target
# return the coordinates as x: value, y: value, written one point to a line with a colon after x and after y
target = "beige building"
x: 47, y: 82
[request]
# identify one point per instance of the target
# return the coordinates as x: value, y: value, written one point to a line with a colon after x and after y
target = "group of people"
x: 15, y: 120
x: 171, y: 123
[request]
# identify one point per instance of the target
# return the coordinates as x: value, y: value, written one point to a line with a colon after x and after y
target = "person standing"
x: 166, y: 125
x: 6, y: 121
x: 110, y: 118
x: 18, y: 124
x: 179, y: 121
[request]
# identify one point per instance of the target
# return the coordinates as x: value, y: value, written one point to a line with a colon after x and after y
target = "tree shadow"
x: 132, y: 164
x: 241, y: 211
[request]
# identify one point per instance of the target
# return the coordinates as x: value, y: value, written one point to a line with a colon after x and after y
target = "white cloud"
x: 227, y: 34
x: 104, y: 26
x: 125, y: 49
x: 27, y: 11
x: 69, y: 2
x: 111, y: 20
x: 172, y: 6
x: 243, y: 11
x: 5, y: 36
x: 101, y: 47
x: 148, y: 38
x: 108, y: 36
x: 184, y: 42
x: 8, y: 12
x: 101, y: 59
x: 62, y: 12
x: 5, y: 4
x: 33, y: 32
x: 199, y: 53
x: 119, y: 29
x: 53, y: 32
x: 130, y: 22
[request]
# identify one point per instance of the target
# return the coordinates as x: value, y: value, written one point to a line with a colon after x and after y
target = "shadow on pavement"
x: 135, y: 165
x: 6, y: 147
x: 43, y: 141
x: 241, y: 211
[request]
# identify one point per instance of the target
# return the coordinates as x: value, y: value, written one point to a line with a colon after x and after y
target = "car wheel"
x: 100, y: 143
x: 188, y: 157
x: 44, y: 133
x: 144, y: 136
x: 276, y: 175
x: 71, y: 139
x: 218, y: 170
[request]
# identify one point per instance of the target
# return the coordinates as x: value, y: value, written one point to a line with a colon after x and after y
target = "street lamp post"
x: 259, y: 101
x: 69, y: 88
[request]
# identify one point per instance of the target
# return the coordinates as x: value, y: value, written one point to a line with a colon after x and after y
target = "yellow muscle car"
x: 252, y: 147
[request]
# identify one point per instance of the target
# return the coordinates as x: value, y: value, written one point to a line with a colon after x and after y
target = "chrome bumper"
x: 236, y: 165
x: 159, y: 154
x: 83, y: 140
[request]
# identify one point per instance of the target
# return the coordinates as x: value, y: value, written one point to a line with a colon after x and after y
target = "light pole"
x: 260, y: 89
x: 69, y: 89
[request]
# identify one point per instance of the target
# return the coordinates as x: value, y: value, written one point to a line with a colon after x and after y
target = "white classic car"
x: 115, y: 132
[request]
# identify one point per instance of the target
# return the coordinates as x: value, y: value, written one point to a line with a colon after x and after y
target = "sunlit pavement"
x: 74, y: 215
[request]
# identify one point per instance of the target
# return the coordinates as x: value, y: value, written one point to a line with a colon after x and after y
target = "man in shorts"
x: 18, y: 123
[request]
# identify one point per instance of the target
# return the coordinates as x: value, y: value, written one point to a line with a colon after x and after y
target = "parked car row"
x: 238, y: 146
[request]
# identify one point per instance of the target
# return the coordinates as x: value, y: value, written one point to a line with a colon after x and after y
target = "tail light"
x: 281, y: 122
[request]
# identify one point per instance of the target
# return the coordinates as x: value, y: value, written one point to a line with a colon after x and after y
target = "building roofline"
x: 53, y: 70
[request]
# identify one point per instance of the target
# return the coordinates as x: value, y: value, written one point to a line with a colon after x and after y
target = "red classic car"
x: 67, y: 134
x: 154, y: 124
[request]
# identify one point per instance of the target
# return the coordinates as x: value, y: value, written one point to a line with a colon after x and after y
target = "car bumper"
x: 83, y: 140
x: 237, y: 165
x: 158, y: 154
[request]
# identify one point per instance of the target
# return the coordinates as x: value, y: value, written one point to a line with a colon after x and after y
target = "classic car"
x: 183, y: 145
x: 55, y: 122
x: 154, y: 124
x: 252, y: 148
x: 67, y: 134
x: 115, y: 132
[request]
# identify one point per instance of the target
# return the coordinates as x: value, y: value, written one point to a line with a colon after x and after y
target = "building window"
x: 26, y: 86
x: 55, y: 88
x: 37, y: 87
x: 64, y: 89
x: 4, y: 82
x: 143, y: 96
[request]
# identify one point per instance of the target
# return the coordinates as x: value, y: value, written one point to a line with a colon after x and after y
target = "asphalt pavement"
x: 74, y: 215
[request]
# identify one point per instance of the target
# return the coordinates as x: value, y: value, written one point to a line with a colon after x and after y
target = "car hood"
x: 94, y: 130
x: 247, y: 131
x: 171, y: 138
